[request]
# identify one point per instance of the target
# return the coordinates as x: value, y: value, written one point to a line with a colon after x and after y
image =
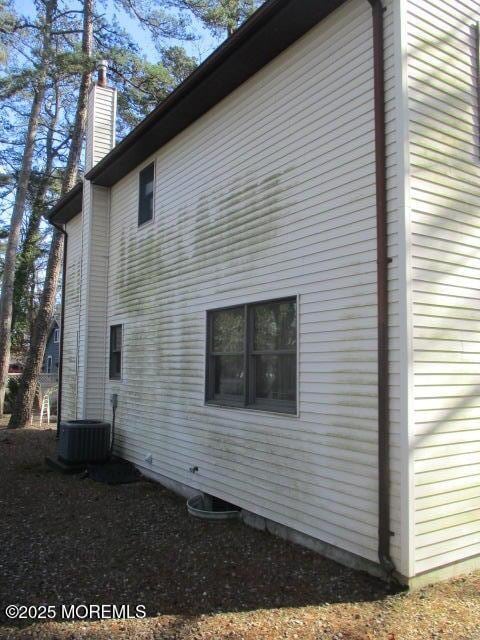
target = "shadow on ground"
x: 65, y: 540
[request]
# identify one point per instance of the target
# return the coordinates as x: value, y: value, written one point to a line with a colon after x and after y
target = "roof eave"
x: 270, y: 30
x: 68, y: 206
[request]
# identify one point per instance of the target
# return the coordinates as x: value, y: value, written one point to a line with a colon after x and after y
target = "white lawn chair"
x: 45, y: 395
x: 45, y: 410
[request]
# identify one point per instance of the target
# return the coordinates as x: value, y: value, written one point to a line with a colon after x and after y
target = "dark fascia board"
x: 68, y: 206
x: 269, y: 31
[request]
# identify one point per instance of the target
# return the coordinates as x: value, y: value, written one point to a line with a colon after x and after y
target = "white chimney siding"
x: 91, y: 368
x: 102, y: 107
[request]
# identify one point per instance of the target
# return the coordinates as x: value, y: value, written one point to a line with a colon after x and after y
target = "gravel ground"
x: 64, y: 540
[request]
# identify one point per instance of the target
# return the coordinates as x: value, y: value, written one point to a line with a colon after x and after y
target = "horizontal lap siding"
x: 97, y: 301
x: 445, y: 195
x: 72, y: 310
x: 270, y: 194
x: 96, y: 205
x: 101, y: 115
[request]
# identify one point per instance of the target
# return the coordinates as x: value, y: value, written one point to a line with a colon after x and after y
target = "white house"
x: 278, y: 272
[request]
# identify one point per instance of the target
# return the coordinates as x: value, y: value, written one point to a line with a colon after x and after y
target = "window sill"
x: 147, y: 223
x: 253, y: 409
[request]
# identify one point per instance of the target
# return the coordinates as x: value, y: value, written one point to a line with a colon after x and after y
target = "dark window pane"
x: 269, y: 382
x: 145, y: 200
x: 115, y: 352
x: 228, y: 330
x: 275, y: 326
x: 115, y: 365
x: 276, y: 378
x: 117, y: 338
x: 229, y: 377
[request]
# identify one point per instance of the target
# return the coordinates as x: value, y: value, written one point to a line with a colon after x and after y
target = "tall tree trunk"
x: 19, y: 205
x: 22, y: 410
x: 75, y: 150
x: 6, y: 300
x: 29, y: 251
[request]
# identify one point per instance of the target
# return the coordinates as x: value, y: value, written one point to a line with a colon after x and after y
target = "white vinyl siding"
x: 96, y: 304
x: 271, y: 194
x: 71, y: 320
x: 445, y: 199
x: 96, y: 203
x: 100, y: 123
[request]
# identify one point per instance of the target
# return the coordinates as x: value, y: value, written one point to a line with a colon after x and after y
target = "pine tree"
x: 142, y: 86
x: 31, y: 249
x: 6, y: 301
x: 28, y: 382
x: 222, y: 17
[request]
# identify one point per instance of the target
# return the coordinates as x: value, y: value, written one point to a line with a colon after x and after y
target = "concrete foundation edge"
x: 286, y: 533
x: 331, y: 552
x: 341, y: 556
x: 440, y: 574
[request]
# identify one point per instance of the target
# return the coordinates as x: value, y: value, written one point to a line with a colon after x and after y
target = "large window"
x: 116, y: 352
x: 145, y: 194
x: 252, y: 356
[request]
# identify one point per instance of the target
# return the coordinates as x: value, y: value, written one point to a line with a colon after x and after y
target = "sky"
x: 200, y: 48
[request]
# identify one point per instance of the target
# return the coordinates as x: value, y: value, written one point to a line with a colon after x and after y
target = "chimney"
x: 102, y: 73
x: 101, y: 112
x: 91, y: 362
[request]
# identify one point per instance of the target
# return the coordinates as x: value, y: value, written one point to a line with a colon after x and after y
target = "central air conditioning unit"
x: 84, y: 441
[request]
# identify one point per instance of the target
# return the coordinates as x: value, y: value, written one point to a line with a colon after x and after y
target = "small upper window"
x: 145, y: 194
x: 56, y: 335
x: 116, y: 352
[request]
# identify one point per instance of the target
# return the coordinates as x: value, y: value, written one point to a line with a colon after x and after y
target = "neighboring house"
x: 51, y: 358
x: 278, y: 273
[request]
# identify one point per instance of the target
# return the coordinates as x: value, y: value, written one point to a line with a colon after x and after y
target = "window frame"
x: 111, y: 352
x: 56, y: 335
x: 49, y: 366
x: 249, y: 401
x: 142, y: 170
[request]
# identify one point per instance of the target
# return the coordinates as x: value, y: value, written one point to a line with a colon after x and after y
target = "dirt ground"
x: 71, y: 541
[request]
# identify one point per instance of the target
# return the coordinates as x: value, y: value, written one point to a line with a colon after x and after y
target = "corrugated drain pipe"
x: 384, y: 532
x: 62, y: 318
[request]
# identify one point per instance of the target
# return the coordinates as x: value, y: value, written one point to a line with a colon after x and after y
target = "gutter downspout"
x: 383, y: 260
x: 63, y: 231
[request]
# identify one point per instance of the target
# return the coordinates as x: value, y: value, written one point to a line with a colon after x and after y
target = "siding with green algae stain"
x: 271, y: 193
